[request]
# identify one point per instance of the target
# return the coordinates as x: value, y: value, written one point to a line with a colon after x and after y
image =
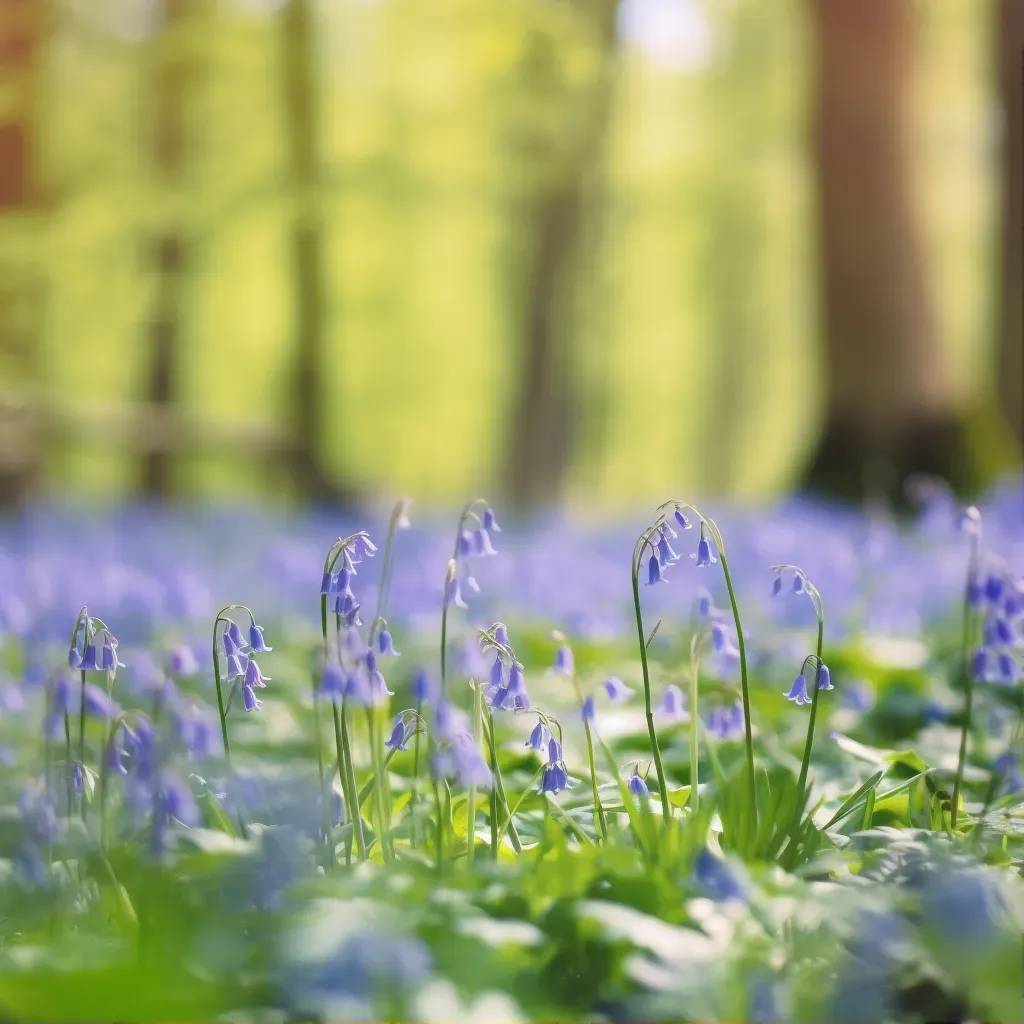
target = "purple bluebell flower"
x: 256, y: 640
x: 462, y: 761
x: 249, y: 699
x: 705, y: 605
x: 466, y: 546
x: 718, y: 637
x: 385, y: 644
x: 665, y: 553
x: 704, y: 557
x: 98, y: 704
x: 231, y: 646
x: 449, y: 721
x: 654, y: 574
x: 994, y: 586
x: 234, y: 665
x: 798, y: 583
x: 777, y: 585
x: 681, y: 519
x: 423, y: 688
x: 365, y: 548
x: 1006, y: 668
x: 517, y: 686
x: 673, y: 704
x: 482, y: 543
x: 341, y: 583
x: 539, y: 736
x: 716, y: 879
x: 501, y: 634
x: 110, y: 662
x: 399, y: 735
x: 489, y: 523
x: 979, y: 665
x: 379, y: 691
x: 325, y: 583
x: 89, y: 662
x: 617, y: 690
x: 195, y: 731
x: 998, y: 632
x: 497, y: 673
x: 115, y: 751
x: 824, y: 678
x: 254, y: 677
x: 587, y: 709
x: 74, y: 658
x: 564, y: 662
x: 975, y: 591
x: 236, y: 635
x: 554, y: 779
x: 637, y: 786
x: 798, y: 691
x: 332, y: 680
x: 453, y: 595
x: 183, y: 661
x: 726, y: 723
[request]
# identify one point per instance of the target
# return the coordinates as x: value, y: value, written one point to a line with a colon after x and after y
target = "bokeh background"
x: 591, y: 251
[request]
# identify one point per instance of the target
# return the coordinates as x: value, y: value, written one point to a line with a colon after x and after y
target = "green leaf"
x: 653, y: 633
x: 850, y: 802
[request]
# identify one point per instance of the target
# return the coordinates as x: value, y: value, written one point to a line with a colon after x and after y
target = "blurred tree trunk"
x: 21, y: 284
x: 310, y: 424
x: 544, y: 410
x: 890, y: 401
x: 168, y: 250
x: 1010, y: 34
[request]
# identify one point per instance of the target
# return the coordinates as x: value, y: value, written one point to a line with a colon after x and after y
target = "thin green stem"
x: 694, y: 725
x: 666, y: 807
x: 324, y: 793
x: 809, y: 742
x: 220, y: 694
x: 967, y: 676
x: 378, y: 784
x: 513, y: 832
x: 598, y: 806
x: 348, y: 777
x: 69, y: 769
x: 81, y: 735
x: 471, y: 801
x: 414, y: 792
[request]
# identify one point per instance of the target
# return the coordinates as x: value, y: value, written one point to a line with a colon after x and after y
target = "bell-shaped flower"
x: 256, y: 640
x: 587, y: 709
x: 654, y: 574
x: 682, y: 520
x: 74, y: 658
x: 539, y: 736
x: 399, y: 737
x: 617, y: 690
x: 482, y: 543
x: 564, y: 661
x: 385, y: 644
x: 665, y: 553
x: 824, y: 678
x: 489, y: 523
x: 234, y: 665
x: 673, y: 704
x: 89, y: 661
x: 704, y: 556
x: 253, y: 676
x: 637, y: 786
x: 798, y: 691
x: 249, y: 699
x: 235, y: 633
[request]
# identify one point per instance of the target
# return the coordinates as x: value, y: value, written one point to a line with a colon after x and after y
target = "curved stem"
x: 666, y: 807
x: 808, y: 743
x: 220, y: 693
x: 968, y: 679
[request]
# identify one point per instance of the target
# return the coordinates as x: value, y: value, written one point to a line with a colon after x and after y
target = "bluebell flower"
x: 365, y: 548
x: 501, y: 634
x: 665, y: 552
x: 352, y: 615
x: 704, y: 556
x: 654, y: 574
x: 325, y: 583
x: 379, y: 691
x: 249, y: 699
x: 236, y: 634
x: 98, y: 704
x: 564, y: 662
x: 110, y: 662
x: 340, y: 584
x: 449, y: 721
x: 231, y: 646
x: 998, y: 632
x: 979, y: 664
x: 399, y: 735
x: 253, y: 676
x: 74, y: 658
x: 798, y: 691
x: 256, y: 640
x: 705, y: 605
x: 718, y: 636
x: 993, y: 588
x: 332, y: 680
x: 234, y: 666
x: 462, y: 761
x: 824, y: 678
x: 453, y: 595
x: 681, y: 519
x: 195, y: 730
x: 617, y: 690
x: 587, y: 709
x: 726, y: 723
x: 554, y: 779
x: 115, y: 751
x: 423, y: 689
x: 975, y: 591
x: 385, y: 644
x: 1006, y: 668
x: 497, y: 673
x: 513, y: 696
x: 489, y: 523
x: 539, y: 736
x: 716, y: 879
x: 482, y: 543
x: 171, y: 800
x: 798, y: 584
x: 673, y: 704
x: 89, y: 662
x: 183, y: 661
x: 637, y: 786
x: 466, y: 546
x: 777, y: 585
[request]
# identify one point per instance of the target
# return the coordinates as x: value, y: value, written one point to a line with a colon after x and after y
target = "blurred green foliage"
x: 694, y: 319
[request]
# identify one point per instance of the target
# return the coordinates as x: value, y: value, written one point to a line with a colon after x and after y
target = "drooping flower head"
x: 704, y: 556
x: 673, y: 704
x: 638, y: 785
x: 617, y: 690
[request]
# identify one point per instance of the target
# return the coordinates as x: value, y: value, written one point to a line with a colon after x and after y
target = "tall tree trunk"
x: 21, y: 286
x: 1010, y: 33
x: 310, y: 424
x: 890, y: 407
x: 168, y: 250
x: 541, y: 434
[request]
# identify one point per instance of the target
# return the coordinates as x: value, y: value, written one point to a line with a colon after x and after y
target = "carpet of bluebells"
x: 711, y: 765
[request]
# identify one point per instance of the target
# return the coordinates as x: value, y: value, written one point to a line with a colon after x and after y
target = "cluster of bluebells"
x: 475, y: 540
x: 662, y: 555
x: 797, y: 693
x: 997, y: 597
x: 351, y: 669
x: 240, y: 660
x: 458, y: 757
x: 506, y: 687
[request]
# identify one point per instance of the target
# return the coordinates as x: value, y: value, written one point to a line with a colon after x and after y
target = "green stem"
x: 968, y: 679
x: 348, y: 777
x: 69, y: 769
x: 522, y: 797
x: 694, y: 726
x: 108, y: 739
x: 744, y: 683
x: 414, y: 792
x: 471, y: 801
x: 666, y: 807
x: 810, y: 721
x: 378, y: 784
x: 598, y: 806
x: 513, y: 832
x: 81, y: 735
x: 220, y: 694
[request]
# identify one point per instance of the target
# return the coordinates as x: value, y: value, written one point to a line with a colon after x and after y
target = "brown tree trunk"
x: 1010, y: 34
x: 168, y: 250
x: 310, y: 423
x: 541, y: 433
x: 21, y: 287
x: 890, y: 404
